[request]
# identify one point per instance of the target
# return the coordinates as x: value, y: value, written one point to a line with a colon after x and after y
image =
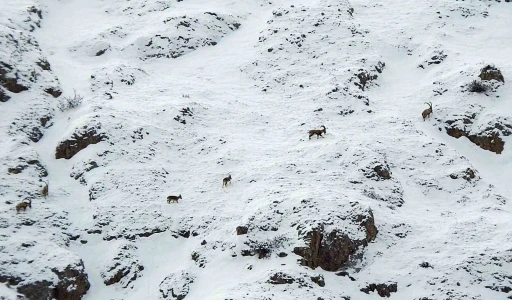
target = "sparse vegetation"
x: 477, y: 87
x: 67, y: 103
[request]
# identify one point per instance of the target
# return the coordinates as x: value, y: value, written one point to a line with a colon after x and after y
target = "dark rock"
x: 282, y: 254
x: 469, y: 174
x: 487, y: 142
x: 246, y: 252
x: 319, y: 279
x: 426, y: 264
x: 280, y: 278
x: 176, y: 285
x: 184, y: 233
x: 79, y: 141
x: 241, y: 230
x: 16, y: 170
x: 125, y: 268
x: 382, y: 171
x: 54, y: 92
x: 44, y: 65
x: 203, y: 242
x: 332, y: 250
x: 383, y: 289
x: 72, y: 283
x: 491, y: 73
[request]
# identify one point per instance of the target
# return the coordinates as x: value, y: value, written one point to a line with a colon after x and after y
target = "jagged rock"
x: 241, y: 230
x: 487, y: 136
x: 467, y: 174
x: 319, y: 279
x: 125, y: 267
x: 331, y: 250
x: 383, y: 289
x: 54, y: 92
x: 491, y: 143
x: 79, y: 141
x: 10, y: 83
x: 280, y: 278
x: 263, y: 248
x: 176, y: 285
x: 491, y: 73
x: 72, y: 283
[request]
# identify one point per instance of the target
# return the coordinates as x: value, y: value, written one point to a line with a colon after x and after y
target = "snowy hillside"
x: 177, y: 95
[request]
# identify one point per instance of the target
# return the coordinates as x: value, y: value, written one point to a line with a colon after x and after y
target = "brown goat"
x: 426, y: 113
x: 44, y: 192
x: 173, y: 199
x: 226, y: 180
x: 23, y: 205
x: 317, y: 132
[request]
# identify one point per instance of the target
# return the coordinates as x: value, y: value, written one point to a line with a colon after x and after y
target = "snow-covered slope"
x: 178, y: 95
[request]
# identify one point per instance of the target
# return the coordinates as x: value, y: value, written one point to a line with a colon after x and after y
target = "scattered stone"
x: 383, y: 289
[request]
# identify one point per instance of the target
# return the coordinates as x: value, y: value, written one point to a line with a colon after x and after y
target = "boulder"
x: 176, y: 285
x: 491, y: 73
x: 124, y: 268
x: 332, y: 249
x: 79, y: 141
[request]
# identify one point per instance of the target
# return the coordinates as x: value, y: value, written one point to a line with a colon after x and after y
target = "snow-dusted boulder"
x: 124, y: 268
x: 331, y: 242
x: 176, y: 285
x: 41, y: 270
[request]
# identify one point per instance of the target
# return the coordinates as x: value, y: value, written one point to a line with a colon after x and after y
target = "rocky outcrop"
x: 72, y: 284
x: 124, y: 268
x: 491, y: 73
x: 10, y: 83
x: 79, y: 141
x: 176, y: 285
x: 331, y: 250
x: 383, y: 289
x: 488, y: 138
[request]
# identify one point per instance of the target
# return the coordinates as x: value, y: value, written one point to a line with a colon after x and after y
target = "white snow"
x: 253, y: 95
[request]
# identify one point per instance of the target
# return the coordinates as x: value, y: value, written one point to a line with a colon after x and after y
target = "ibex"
x: 23, y: 205
x: 173, y: 199
x: 44, y: 192
x: 426, y: 113
x: 226, y: 180
x: 318, y: 132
